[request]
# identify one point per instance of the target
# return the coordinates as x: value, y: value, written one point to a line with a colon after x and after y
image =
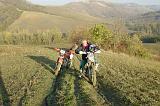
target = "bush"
x: 101, y: 35
x: 78, y: 34
x: 135, y: 47
x: 108, y: 40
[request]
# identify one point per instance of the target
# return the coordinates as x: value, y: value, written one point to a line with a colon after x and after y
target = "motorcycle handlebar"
x: 90, y: 52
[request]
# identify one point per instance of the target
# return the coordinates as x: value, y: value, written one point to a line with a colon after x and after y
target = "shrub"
x: 78, y: 34
x: 108, y: 40
x: 101, y: 35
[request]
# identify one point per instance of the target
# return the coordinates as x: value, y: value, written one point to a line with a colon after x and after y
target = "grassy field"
x: 27, y: 79
x: 130, y: 81
x: 154, y: 48
x: 23, y: 75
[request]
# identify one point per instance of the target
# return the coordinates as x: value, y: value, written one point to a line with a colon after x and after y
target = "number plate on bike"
x: 91, y: 57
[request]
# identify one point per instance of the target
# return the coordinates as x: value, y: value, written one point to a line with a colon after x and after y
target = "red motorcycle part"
x: 60, y: 60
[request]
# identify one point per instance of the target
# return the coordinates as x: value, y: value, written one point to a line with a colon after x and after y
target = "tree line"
x: 98, y: 34
x: 25, y: 37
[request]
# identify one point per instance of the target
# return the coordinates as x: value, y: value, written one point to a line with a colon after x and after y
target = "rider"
x: 83, y: 49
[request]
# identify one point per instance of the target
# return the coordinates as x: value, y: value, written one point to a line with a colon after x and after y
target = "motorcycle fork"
x: 89, y: 66
x: 58, y: 68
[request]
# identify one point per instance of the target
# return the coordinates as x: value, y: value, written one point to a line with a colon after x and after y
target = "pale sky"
x: 61, y: 2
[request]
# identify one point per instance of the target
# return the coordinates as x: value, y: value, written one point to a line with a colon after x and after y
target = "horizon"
x: 63, y: 2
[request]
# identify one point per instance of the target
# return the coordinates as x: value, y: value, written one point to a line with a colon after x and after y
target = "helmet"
x: 92, y: 48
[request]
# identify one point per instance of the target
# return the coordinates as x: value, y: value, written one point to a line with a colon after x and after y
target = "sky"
x: 62, y: 2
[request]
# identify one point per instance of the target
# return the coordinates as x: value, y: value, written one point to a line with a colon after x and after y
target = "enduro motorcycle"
x: 90, y: 68
x: 64, y: 60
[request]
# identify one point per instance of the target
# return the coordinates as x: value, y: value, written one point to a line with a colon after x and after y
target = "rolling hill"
x: 73, y: 14
x: 101, y: 9
x: 150, y: 17
x: 148, y: 24
x: 108, y: 10
x: 8, y: 14
x: 27, y: 72
x: 34, y: 21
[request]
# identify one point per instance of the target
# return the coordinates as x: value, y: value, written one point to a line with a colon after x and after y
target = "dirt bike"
x: 89, y: 68
x: 64, y: 60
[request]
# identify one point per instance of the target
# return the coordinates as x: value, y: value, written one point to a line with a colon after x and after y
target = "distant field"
x: 34, y: 21
x: 26, y: 79
x: 153, y: 47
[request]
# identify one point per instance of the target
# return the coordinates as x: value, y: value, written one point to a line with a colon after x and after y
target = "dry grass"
x: 154, y: 49
x: 26, y: 79
x: 123, y: 80
x: 128, y: 80
x: 34, y: 21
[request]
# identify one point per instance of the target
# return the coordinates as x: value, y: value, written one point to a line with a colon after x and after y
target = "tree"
x: 101, y: 35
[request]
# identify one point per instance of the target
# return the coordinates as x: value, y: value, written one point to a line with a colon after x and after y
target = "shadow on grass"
x: 20, y: 103
x: 51, y: 98
x: 45, y: 62
x: 3, y: 92
x: 112, y: 94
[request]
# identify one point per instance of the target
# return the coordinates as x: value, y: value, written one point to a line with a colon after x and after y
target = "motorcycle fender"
x: 71, y: 56
x: 60, y: 60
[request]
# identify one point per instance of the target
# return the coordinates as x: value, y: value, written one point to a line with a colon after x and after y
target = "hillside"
x: 103, y: 9
x: 26, y: 79
x: 72, y: 14
x: 34, y: 21
x: 22, y: 15
x: 11, y: 10
x: 148, y: 24
x: 129, y: 76
x: 22, y: 4
x: 150, y: 17
x: 40, y: 18
x: 8, y: 14
x: 100, y: 9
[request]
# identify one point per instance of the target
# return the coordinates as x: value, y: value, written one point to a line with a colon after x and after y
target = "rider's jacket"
x: 84, y: 49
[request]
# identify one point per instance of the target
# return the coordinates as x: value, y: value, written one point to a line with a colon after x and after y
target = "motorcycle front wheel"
x: 94, y: 79
x: 92, y: 73
x: 57, y: 69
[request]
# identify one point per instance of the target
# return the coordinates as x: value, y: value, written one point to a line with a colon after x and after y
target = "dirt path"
x: 68, y: 89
